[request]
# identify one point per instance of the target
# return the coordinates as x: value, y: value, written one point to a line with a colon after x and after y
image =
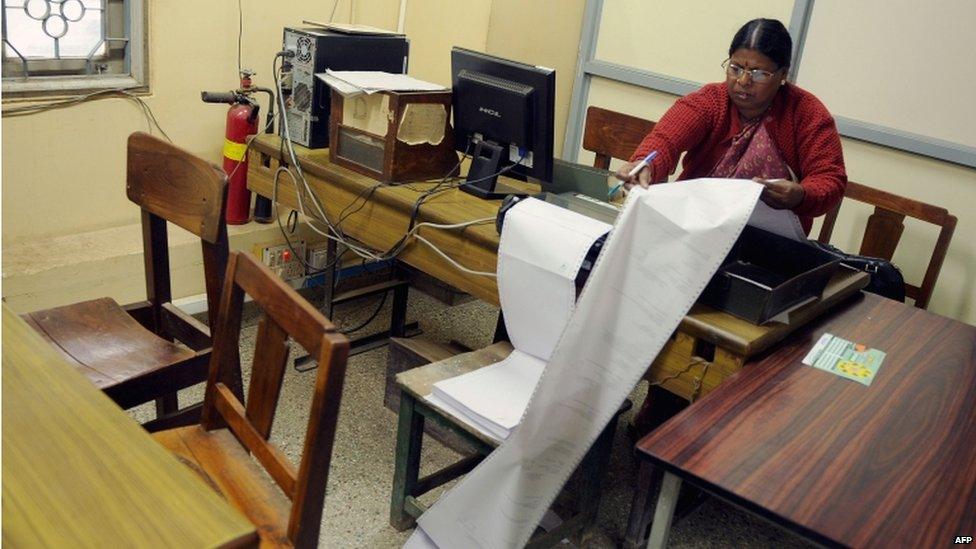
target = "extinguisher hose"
x: 218, y: 97
x: 269, y: 127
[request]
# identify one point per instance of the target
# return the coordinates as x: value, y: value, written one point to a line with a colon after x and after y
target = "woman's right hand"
x: 643, y: 177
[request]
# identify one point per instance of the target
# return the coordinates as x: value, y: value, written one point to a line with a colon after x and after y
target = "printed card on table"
x: 845, y: 358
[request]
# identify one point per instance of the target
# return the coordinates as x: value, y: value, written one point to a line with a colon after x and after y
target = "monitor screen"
x: 503, y: 117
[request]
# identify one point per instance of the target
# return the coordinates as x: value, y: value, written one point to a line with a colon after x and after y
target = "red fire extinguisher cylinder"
x: 242, y: 121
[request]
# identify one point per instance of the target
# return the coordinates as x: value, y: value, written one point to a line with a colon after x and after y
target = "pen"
x: 640, y: 166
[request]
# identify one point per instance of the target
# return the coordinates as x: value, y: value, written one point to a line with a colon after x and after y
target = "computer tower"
x: 319, y: 49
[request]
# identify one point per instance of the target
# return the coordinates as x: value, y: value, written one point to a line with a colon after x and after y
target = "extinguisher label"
x: 234, y: 151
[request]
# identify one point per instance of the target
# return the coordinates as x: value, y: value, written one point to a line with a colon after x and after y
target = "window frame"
x: 136, y: 79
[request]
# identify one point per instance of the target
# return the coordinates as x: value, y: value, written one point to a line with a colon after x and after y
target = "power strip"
x: 282, y: 260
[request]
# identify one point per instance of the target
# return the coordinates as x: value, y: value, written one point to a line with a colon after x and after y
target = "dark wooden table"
x: 892, y: 464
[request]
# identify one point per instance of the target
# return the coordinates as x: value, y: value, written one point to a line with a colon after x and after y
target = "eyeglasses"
x: 735, y: 72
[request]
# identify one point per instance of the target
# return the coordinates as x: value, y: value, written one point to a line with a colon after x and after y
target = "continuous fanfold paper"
x: 668, y: 242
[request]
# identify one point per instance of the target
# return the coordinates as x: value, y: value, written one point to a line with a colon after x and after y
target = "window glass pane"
x: 56, y: 36
x: 27, y: 36
x: 83, y: 35
x: 79, y: 29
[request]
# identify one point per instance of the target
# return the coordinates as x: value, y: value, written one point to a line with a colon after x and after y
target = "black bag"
x: 886, y: 278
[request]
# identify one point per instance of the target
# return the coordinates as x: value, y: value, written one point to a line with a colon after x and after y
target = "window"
x: 72, y: 46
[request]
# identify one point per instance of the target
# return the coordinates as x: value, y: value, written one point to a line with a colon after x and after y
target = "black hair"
x: 766, y: 36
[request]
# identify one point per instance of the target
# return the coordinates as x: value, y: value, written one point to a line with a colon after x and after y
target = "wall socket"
x: 282, y: 260
x: 317, y: 256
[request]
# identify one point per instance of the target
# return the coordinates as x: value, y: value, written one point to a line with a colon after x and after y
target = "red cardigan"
x: 704, y: 122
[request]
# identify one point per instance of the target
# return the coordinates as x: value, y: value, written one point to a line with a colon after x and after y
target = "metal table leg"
x: 667, y: 500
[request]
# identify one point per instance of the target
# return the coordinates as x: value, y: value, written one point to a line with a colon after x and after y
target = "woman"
x: 754, y: 126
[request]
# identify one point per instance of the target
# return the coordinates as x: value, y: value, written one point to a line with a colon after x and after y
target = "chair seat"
x: 226, y: 466
x: 104, y: 342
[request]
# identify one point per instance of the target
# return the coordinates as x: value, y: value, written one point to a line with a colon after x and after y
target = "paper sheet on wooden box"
x: 668, y: 242
x: 422, y: 123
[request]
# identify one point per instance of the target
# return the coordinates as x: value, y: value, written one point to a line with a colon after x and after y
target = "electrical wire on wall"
x: 117, y: 93
x: 240, y: 33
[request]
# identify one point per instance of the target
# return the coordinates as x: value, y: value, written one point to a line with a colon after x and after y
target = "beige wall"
x: 541, y: 32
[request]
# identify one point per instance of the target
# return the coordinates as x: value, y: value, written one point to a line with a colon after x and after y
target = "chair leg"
x: 594, y: 468
x: 187, y: 416
x: 166, y: 405
x: 641, y: 506
x: 410, y: 433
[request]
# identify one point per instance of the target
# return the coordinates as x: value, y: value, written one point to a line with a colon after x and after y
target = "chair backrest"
x: 286, y: 314
x: 885, y: 227
x: 171, y: 184
x: 612, y: 134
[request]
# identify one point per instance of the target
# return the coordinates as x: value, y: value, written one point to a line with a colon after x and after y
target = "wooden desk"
x: 708, y: 347
x: 385, y: 215
x: 78, y: 472
x: 893, y: 464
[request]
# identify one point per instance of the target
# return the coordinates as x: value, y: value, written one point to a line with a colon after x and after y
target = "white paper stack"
x: 541, y: 250
x: 351, y: 83
x: 491, y: 399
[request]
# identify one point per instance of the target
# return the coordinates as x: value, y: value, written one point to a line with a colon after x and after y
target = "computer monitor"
x: 503, y: 117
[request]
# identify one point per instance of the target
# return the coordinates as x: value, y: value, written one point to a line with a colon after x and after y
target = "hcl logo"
x: 490, y: 112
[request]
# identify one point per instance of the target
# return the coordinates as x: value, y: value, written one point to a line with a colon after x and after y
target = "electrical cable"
x: 456, y: 265
x: 422, y: 198
x: 372, y: 317
x: 126, y: 93
x: 365, y: 195
x: 240, y: 33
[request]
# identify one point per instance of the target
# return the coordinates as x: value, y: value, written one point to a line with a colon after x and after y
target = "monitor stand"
x: 482, y: 179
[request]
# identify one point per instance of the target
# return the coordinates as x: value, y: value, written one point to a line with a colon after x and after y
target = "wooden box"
x: 394, y: 137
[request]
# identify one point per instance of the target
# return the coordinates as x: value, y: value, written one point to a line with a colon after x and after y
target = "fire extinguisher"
x: 242, y: 122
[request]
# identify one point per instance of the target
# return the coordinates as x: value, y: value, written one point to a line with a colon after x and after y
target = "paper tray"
x: 766, y: 274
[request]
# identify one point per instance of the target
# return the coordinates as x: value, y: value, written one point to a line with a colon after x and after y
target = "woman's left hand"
x: 781, y: 194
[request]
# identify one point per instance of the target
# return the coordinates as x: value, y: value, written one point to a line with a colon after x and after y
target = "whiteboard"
x: 687, y: 39
x: 904, y: 65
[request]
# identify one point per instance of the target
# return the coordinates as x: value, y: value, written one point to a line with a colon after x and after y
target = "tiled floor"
x: 357, y: 502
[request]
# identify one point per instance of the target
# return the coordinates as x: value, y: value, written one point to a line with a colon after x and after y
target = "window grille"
x: 62, y: 45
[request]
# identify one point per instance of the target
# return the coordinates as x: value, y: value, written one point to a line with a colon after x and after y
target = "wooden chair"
x: 217, y: 448
x: 885, y: 227
x: 612, y: 134
x: 128, y: 351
